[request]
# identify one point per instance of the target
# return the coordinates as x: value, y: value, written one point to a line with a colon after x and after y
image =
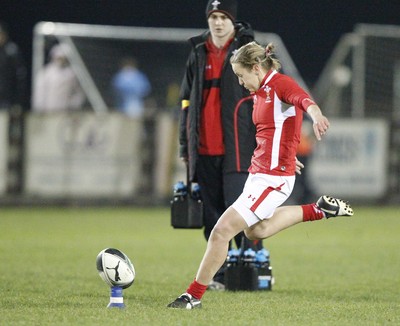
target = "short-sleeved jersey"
x: 278, y: 113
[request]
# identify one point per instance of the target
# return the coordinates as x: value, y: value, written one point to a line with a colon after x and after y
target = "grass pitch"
x: 331, y: 272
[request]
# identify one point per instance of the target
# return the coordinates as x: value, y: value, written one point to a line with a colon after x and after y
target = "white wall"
x: 352, y: 160
x: 82, y: 155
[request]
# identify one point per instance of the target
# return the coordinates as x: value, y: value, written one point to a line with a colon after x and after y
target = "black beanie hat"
x: 228, y: 7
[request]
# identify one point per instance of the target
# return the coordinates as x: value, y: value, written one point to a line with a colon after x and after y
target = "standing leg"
x: 229, y: 224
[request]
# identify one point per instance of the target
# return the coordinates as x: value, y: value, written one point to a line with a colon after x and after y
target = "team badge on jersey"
x: 267, y: 89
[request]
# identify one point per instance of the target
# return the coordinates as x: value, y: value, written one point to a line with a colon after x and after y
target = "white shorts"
x: 262, y: 194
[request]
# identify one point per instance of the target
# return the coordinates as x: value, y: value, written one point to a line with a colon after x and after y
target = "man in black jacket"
x: 217, y: 135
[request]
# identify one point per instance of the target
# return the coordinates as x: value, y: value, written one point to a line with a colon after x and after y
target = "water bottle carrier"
x: 248, y: 270
x: 186, y: 206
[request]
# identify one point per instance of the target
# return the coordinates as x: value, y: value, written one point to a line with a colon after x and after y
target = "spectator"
x: 130, y: 86
x: 13, y: 73
x: 57, y: 87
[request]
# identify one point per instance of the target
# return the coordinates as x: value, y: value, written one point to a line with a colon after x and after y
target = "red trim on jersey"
x: 264, y: 195
x: 236, y: 131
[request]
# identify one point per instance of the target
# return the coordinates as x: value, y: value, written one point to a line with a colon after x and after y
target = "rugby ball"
x: 115, y: 268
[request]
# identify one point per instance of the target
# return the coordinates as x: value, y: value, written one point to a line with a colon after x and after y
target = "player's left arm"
x: 294, y: 94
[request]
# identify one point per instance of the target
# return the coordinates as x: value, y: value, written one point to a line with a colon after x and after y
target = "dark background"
x: 309, y: 29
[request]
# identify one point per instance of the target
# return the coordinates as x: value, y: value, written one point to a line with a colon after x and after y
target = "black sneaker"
x: 185, y: 301
x: 333, y: 207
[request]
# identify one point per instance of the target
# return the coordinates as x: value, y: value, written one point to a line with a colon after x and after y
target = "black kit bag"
x: 186, y: 205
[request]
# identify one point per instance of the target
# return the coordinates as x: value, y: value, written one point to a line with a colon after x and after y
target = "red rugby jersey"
x: 278, y: 114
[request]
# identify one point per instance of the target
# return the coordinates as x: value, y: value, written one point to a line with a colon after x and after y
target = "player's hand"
x: 320, y: 122
x: 184, y: 159
x: 320, y: 126
x: 299, y: 166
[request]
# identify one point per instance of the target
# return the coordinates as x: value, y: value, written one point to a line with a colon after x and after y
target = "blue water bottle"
x: 180, y: 190
x: 196, y: 191
x: 262, y: 261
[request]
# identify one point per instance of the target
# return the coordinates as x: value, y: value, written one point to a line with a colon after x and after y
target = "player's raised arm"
x: 320, y: 122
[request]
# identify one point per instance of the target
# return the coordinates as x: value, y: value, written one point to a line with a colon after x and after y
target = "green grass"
x: 332, y: 272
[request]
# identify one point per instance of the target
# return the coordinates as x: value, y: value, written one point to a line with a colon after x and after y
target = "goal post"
x: 360, y: 82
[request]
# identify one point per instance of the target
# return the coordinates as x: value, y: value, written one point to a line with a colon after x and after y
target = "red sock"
x: 311, y: 212
x: 196, y: 290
